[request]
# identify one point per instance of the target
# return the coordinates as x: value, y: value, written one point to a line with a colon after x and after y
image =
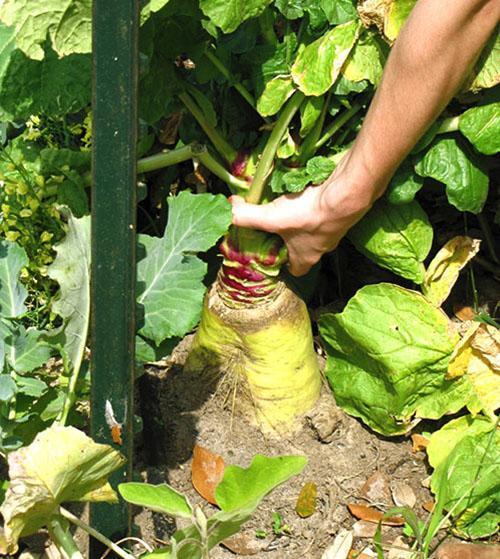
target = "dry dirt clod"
x: 468, y: 551
x: 403, y: 495
x: 364, y: 529
x: 376, y: 489
x: 325, y: 419
x: 399, y: 550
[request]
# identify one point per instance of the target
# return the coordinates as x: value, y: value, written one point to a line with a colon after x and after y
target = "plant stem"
x: 240, y: 88
x: 192, y: 151
x: 267, y: 159
x: 448, y: 125
x: 95, y: 534
x: 488, y: 237
x: 63, y: 539
x: 337, y: 124
x: 225, y: 150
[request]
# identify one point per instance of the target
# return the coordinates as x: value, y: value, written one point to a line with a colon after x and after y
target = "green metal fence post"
x: 115, y: 54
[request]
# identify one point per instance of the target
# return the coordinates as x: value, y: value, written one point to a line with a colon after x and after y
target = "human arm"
x: 429, y: 61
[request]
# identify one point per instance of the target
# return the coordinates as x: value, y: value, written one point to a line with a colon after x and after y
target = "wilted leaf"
x: 398, y: 238
x: 445, y: 267
x: 207, y: 470
x: 306, y: 502
x: 419, y: 442
x: 170, y: 129
x: 388, y: 15
x: 429, y: 506
x: 61, y: 464
x: 275, y: 94
x: 170, y: 276
x: 464, y: 312
x: 340, y: 547
x: 319, y: 64
x: 459, y: 169
x: 369, y: 514
x: 388, y: 353
x: 159, y: 498
x: 481, y: 126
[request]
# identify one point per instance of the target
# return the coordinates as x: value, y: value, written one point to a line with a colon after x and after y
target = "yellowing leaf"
x: 61, y: 464
x: 443, y: 271
x: 306, y: 502
x: 477, y: 357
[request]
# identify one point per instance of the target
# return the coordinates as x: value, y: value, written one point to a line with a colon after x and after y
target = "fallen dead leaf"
x: 306, y: 502
x: 371, y: 514
x: 366, y: 553
x: 487, y: 342
x: 168, y: 133
x: 207, y: 470
x: 399, y: 550
x: 403, y: 495
x: 340, y: 547
x: 419, y: 442
x: 244, y: 544
x: 429, y: 506
x: 376, y: 489
x: 364, y: 529
x: 468, y: 551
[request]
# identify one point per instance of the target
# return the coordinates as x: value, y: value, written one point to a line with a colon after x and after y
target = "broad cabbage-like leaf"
x: 487, y: 69
x: 13, y: 259
x: 481, y: 126
x: 388, y: 15
x: 340, y: 11
x: 230, y: 14
x: 170, y: 276
x: 25, y: 350
x: 274, y: 96
x: 465, y: 179
x: 66, y: 22
x: 404, y: 184
x: 310, y: 111
x: 367, y: 59
x: 319, y: 64
x: 61, y: 464
x: 398, y: 238
x: 71, y: 270
x: 443, y: 271
x: 388, y: 351
x: 466, y: 479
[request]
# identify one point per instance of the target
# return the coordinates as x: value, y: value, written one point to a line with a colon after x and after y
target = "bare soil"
x: 181, y: 410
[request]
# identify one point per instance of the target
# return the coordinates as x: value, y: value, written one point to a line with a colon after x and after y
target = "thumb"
x: 252, y: 215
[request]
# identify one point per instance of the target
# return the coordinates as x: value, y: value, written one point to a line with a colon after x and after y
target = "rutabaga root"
x: 269, y: 346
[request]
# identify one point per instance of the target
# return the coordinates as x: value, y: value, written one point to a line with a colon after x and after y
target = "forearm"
x: 431, y: 58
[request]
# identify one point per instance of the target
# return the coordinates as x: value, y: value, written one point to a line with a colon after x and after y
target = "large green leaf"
x: 387, y: 351
x: 61, y: 464
x: 244, y: 488
x: 229, y: 14
x: 340, y: 11
x: 481, y: 126
x: 274, y: 96
x: 367, y: 59
x: 159, y: 498
x: 467, y: 481
x: 319, y: 64
x: 53, y: 86
x: 487, y: 69
x: 67, y: 22
x: 170, y: 276
x: 398, y: 238
x: 71, y: 269
x: 25, y: 350
x: 404, y: 184
x: 12, y: 293
x: 466, y: 181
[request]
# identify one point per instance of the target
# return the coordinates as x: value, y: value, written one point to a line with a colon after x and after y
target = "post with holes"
x: 115, y: 55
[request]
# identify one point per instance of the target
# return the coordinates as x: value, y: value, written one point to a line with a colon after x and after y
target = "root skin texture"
x: 268, y: 344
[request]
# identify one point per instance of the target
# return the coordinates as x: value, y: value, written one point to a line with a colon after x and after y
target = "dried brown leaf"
x: 403, y: 495
x: 207, y: 470
x: 243, y: 544
x: 371, y: 514
x: 419, y: 442
x: 376, y: 489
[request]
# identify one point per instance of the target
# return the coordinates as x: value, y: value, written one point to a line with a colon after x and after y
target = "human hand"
x: 311, y: 222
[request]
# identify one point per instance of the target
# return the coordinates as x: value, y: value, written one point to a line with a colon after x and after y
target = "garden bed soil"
x: 180, y: 410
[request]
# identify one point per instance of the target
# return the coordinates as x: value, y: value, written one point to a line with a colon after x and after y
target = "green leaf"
x: 158, y: 498
x: 54, y: 161
x: 466, y: 482
x: 146, y: 351
x: 340, y: 11
x: 443, y: 441
x: 8, y: 388
x: 404, y: 184
x: 366, y: 60
x: 61, y: 464
x: 481, y: 126
x: 317, y: 170
x: 229, y: 14
x: 12, y: 293
x: 71, y: 269
x: 67, y: 22
x: 387, y: 351
x: 71, y: 193
x: 466, y: 181
x: 320, y: 63
x: 274, y: 96
x: 398, y: 238
x: 487, y: 69
x: 291, y: 9
x: 25, y: 350
x: 310, y: 111
x: 31, y: 386
x: 170, y: 276
x: 244, y: 488
x: 397, y: 13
